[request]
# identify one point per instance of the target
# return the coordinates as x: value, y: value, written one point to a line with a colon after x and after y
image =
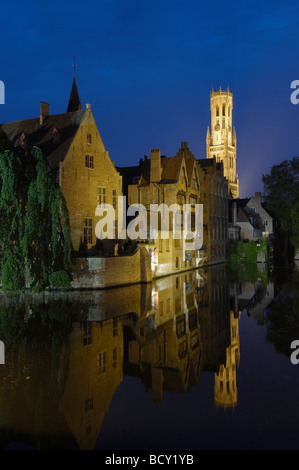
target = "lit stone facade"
x: 167, y: 180
x: 221, y: 139
x: 88, y: 176
x: 79, y: 161
x: 214, y: 198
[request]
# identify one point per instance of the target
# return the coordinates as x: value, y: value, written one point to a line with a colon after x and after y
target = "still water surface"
x: 194, y: 361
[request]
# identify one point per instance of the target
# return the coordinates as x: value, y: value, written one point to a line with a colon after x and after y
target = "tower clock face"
x: 217, y: 127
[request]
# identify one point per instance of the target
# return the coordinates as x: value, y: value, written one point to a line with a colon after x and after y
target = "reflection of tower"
x: 222, y: 140
x: 226, y: 379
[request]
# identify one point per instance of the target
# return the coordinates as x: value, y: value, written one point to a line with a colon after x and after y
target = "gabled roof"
x: 171, y: 167
x: 242, y: 216
x: 53, y: 136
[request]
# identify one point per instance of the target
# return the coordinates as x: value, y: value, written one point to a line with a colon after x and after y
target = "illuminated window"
x: 182, y: 350
x: 114, y: 198
x: 89, y: 161
x: 114, y: 358
x: 180, y: 326
x: 87, y: 230
x: 88, y: 404
x: 193, y: 200
x: 177, y: 243
x: 87, y: 338
x: 101, y: 195
x: 115, y: 324
x: 102, y: 357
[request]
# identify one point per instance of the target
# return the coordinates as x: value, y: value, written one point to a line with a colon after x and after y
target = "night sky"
x: 147, y: 69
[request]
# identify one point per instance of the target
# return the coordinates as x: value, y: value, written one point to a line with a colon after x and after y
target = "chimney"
x: 258, y: 197
x: 44, y: 111
x: 156, y: 167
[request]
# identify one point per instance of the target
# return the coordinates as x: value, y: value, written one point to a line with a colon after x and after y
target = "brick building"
x: 73, y: 146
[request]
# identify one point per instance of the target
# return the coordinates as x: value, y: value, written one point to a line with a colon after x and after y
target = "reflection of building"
x: 94, y: 373
x: 164, y: 348
x: 254, y: 298
x: 226, y: 393
x: 221, y: 140
x: 184, y: 325
x: 214, y: 308
x: 219, y: 326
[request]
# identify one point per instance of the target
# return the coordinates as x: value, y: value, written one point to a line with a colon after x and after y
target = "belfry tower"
x: 222, y: 140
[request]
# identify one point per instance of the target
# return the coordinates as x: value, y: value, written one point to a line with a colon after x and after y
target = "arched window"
x: 223, y: 110
x: 217, y: 110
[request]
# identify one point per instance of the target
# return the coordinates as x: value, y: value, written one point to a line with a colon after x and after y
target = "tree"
x: 34, y: 221
x: 281, y: 193
x: 295, y: 225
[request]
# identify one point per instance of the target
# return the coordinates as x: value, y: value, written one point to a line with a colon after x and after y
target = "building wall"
x: 255, y: 203
x: 168, y: 255
x: 246, y: 231
x: 214, y: 197
x: 102, y: 272
x: 79, y: 183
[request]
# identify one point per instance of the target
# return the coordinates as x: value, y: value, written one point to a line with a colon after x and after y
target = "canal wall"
x: 103, y: 272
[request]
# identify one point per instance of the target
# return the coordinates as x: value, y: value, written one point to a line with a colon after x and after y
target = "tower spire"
x: 74, y: 66
x: 74, y: 101
x: 222, y: 140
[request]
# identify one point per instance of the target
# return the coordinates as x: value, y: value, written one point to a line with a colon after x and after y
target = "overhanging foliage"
x: 34, y: 224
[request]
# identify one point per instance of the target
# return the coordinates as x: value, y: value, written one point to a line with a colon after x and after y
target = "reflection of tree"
x: 36, y: 360
x: 282, y: 319
x: 250, y: 272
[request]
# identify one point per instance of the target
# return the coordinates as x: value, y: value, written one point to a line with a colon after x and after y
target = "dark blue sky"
x: 147, y: 69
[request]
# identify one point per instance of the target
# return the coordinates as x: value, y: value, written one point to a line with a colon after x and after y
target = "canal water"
x: 200, y: 360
